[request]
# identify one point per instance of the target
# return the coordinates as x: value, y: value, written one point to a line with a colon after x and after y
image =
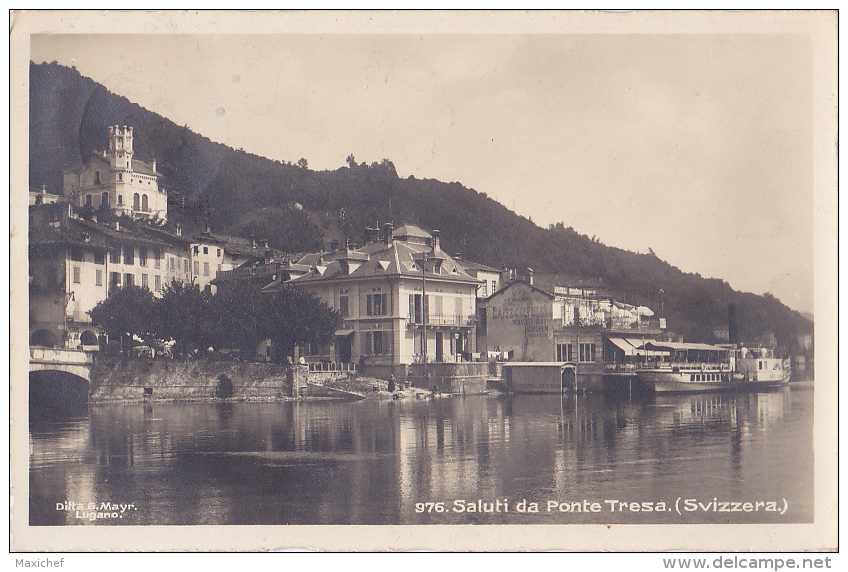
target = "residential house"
x: 401, y: 296
x: 566, y: 324
x: 67, y: 277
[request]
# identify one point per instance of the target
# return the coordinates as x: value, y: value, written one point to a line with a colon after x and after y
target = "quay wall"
x: 447, y: 377
x: 197, y: 379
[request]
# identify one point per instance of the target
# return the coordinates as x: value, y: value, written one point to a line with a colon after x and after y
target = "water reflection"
x: 371, y: 462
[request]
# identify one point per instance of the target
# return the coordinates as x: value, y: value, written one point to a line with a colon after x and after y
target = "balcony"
x: 643, y: 325
x: 79, y: 317
x: 445, y: 320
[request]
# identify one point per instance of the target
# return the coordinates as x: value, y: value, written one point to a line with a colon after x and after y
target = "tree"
x: 298, y: 317
x: 183, y: 313
x: 351, y: 161
x: 124, y: 314
x: 303, y: 163
x: 240, y: 320
x: 246, y: 316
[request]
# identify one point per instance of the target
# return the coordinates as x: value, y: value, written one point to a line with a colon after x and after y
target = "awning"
x: 343, y: 333
x: 629, y: 350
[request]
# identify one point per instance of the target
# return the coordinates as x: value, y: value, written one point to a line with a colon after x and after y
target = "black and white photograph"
x: 461, y: 281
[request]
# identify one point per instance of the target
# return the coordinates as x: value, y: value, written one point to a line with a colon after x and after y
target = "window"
x: 128, y: 280
x: 136, y: 202
x: 376, y: 305
x: 344, y: 310
x: 144, y: 280
x: 120, y: 177
x: 88, y: 200
x: 115, y: 279
x: 219, y: 253
x: 205, y: 250
x: 98, y: 277
x: 99, y: 258
x: 96, y: 177
x: 157, y: 257
x: 104, y: 200
x: 129, y: 255
x: 76, y: 275
x: 459, y: 308
x: 197, y: 250
x: 415, y: 314
x: 196, y: 267
x: 157, y: 282
x: 485, y: 289
x: 185, y: 265
x: 120, y: 200
x: 563, y: 352
x: 587, y: 352
x: 173, y: 263
x: 376, y: 343
x: 144, y: 204
x: 206, y: 269
x: 494, y: 286
x: 142, y: 257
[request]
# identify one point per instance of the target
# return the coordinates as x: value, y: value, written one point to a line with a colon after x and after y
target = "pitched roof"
x: 516, y: 282
x: 411, y: 230
x: 396, y: 259
x: 475, y: 265
x: 121, y: 234
x: 234, y: 244
x: 143, y: 167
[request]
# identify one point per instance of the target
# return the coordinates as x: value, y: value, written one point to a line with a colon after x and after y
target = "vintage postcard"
x: 460, y: 281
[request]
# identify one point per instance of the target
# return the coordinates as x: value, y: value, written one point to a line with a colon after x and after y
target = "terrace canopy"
x: 703, y: 353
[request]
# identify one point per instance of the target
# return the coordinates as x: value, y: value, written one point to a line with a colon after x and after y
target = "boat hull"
x: 684, y: 382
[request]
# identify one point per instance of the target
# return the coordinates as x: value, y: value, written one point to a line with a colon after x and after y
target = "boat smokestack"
x: 732, y: 324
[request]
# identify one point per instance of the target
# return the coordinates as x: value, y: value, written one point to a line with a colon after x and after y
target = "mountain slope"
x: 243, y: 193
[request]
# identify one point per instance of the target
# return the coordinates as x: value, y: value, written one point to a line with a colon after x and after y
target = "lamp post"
x: 424, y: 259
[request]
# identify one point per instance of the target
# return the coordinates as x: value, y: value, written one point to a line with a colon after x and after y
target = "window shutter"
x: 369, y: 310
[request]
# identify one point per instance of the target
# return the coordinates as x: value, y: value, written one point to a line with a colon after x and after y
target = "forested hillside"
x: 241, y: 193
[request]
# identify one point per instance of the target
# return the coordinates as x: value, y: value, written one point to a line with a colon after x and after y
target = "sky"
x: 697, y: 146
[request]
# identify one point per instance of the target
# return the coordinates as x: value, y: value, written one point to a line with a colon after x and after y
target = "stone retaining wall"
x: 197, y: 379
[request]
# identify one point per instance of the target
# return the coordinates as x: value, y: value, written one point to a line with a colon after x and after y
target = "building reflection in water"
x: 371, y: 462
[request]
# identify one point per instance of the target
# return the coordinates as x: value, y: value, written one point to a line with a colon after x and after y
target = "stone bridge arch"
x: 58, y: 379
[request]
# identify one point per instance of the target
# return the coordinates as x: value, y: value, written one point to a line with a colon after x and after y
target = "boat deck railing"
x: 670, y: 366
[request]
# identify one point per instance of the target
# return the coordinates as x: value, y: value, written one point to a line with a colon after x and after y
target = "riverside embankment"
x: 164, y: 379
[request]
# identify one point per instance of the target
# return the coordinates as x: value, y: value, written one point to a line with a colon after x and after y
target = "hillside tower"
x: 120, y: 147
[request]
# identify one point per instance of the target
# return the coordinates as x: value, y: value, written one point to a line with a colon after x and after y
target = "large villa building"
x: 403, y: 300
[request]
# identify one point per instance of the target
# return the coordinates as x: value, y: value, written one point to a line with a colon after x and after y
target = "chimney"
x: 179, y: 229
x: 252, y: 241
x: 387, y: 233
x: 208, y: 228
x: 265, y: 244
x: 153, y: 165
x: 437, y: 244
x: 530, y: 276
x: 117, y: 225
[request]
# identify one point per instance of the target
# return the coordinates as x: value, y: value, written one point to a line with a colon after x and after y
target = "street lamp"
x: 424, y: 259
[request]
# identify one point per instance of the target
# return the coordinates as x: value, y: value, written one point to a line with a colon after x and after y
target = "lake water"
x: 378, y: 462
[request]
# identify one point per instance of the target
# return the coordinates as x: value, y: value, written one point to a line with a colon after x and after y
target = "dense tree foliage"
x: 127, y: 312
x: 238, y: 317
x: 238, y: 191
x: 184, y: 314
